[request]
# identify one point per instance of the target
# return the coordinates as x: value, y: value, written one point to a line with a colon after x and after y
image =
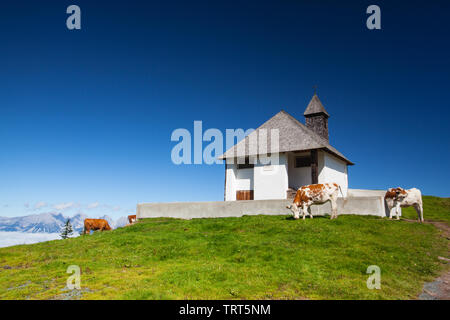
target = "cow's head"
x: 400, y: 193
x: 295, y: 210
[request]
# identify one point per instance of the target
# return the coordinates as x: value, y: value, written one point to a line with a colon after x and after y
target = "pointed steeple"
x: 316, y: 117
x: 315, y: 106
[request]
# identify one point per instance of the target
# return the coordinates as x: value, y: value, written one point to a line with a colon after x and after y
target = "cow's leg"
x: 397, y: 210
x: 309, y: 211
x: 419, y: 211
x: 304, y: 209
x: 390, y: 210
x: 333, y: 209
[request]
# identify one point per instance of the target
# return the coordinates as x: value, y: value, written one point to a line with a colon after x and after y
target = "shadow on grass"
x: 307, y: 217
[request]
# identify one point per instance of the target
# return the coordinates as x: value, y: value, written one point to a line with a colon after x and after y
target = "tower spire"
x: 316, y: 117
x: 315, y: 106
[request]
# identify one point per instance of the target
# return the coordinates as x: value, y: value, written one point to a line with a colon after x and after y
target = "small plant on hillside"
x: 66, y: 230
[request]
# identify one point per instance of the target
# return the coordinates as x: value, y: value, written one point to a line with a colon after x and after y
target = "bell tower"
x: 316, y: 117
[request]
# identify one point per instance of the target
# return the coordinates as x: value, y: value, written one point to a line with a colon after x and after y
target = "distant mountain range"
x: 51, y: 222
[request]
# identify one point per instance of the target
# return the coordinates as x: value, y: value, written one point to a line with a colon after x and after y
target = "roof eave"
x: 224, y: 156
x: 339, y: 156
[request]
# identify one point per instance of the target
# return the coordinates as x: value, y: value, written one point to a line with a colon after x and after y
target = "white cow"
x: 398, y: 197
x: 315, y: 194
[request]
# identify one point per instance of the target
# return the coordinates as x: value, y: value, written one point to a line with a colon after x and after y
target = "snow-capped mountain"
x: 49, y: 222
x: 44, y: 222
x: 77, y: 222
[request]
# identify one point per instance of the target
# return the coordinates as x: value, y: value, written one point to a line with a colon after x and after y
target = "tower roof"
x: 315, y: 106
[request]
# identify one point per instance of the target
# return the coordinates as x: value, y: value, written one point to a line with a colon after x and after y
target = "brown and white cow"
x: 95, y: 224
x: 132, y: 218
x: 315, y: 194
x: 399, y: 197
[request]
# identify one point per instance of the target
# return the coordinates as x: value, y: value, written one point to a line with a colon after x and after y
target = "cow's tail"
x: 345, y: 198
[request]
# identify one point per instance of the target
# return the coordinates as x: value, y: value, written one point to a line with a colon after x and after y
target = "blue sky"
x: 86, y: 116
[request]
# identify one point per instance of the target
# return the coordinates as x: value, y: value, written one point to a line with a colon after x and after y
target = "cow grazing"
x: 132, y: 218
x: 399, y: 197
x: 95, y: 224
x: 315, y: 194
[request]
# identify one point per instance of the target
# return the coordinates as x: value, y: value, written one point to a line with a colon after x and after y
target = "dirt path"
x: 439, y: 289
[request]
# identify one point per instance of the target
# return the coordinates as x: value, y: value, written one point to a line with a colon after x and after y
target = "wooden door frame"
x: 314, y: 167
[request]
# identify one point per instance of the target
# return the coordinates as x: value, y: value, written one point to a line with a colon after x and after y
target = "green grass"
x: 434, y: 208
x: 253, y: 257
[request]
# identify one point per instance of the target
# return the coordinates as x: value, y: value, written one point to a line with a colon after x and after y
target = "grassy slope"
x: 253, y: 257
x: 434, y: 208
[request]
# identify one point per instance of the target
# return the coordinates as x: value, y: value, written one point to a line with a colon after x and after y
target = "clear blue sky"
x: 86, y: 116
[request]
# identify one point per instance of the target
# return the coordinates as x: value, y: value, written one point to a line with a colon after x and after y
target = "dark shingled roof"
x: 315, y: 106
x: 293, y: 135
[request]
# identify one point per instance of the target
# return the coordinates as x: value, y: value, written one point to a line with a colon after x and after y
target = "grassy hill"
x: 253, y: 257
x: 434, y: 208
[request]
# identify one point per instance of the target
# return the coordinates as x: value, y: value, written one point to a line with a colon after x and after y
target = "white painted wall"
x: 298, y: 176
x: 333, y: 169
x: 271, y: 181
x: 230, y: 187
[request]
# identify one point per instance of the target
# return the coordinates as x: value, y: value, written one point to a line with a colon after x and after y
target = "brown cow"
x: 95, y: 224
x: 315, y: 194
x: 132, y: 219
